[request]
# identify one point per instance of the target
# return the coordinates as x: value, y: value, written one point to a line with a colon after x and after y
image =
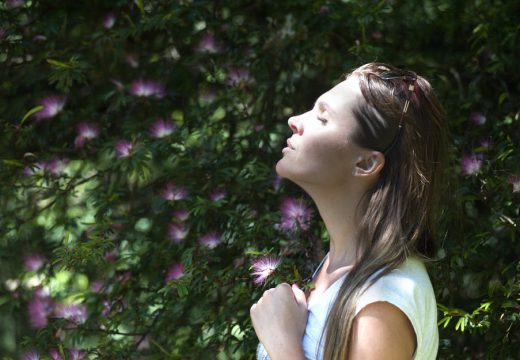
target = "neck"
x: 337, y: 208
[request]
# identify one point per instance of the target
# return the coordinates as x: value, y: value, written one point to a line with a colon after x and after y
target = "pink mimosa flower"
x: 75, y: 313
x: 147, y: 88
x: 11, y: 4
x: 515, y: 181
x: 263, y: 268
x: 97, y: 286
x: 123, y: 148
x: 477, y: 118
x: 30, y: 355
x: 34, y: 169
x: 208, y: 44
x: 56, y: 166
x: 177, y: 233
x: 295, y: 215
x: 176, y: 271
x: 132, y: 60
x: 55, y: 354
x: 76, y: 354
x: 180, y: 215
x: 217, y: 194
x: 52, y: 105
x: 34, y: 262
x: 487, y: 143
x: 238, y: 76
x: 471, y: 164
x: 162, y: 128
x: 39, y: 308
x: 86, y: 131
x: 170, y: 191
x: 210, y: 240
x: 109, y: 20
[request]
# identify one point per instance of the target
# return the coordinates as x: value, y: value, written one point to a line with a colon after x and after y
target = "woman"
x: 370, y: 153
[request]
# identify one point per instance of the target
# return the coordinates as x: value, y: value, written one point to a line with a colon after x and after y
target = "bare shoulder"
x: 382, y: 331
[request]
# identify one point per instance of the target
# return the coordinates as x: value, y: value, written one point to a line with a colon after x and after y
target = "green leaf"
x: 30, y: 112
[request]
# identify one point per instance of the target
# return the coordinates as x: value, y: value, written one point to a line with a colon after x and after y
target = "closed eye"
x: 323, y: 120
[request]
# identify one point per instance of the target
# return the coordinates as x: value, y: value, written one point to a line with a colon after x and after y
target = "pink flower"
x: 172, y: 192
x: 33, y: 169
x: 208, y: 44
x: 39, y: 309
x: 174, y: 272
x: 97, y: 286
x: 123, y: 148
x: 263, y: 268
x: 55, y: 354
x: 477, y: 118
x: 471, y: 164
x: 177, y: 233
x: 180, y: 215
x: 487, y: 143
x: 210, y: 240
x: 162, y: 128
x: 295, y: 215
x: 147, y: 88
x: 515, y: 181
x: 75, y: 313
x: 238, y: 76
x: 52, y: 105
x: 132, y: 60
x: 11, y: 4
x: 34, y: 262
x: 277, y: 182
x: 109, y: 20
x: 30, y: 355
x: 86, y: 131
x: 217, y: 194
x: 56, y: 166
x: 76, y: 354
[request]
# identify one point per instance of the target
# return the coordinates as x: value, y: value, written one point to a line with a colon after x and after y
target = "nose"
x: 295, y: 125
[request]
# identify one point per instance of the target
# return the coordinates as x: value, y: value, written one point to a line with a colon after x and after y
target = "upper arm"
x: 382, y: 331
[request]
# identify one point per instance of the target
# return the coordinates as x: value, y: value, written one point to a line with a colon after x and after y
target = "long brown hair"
x: 398, y: 214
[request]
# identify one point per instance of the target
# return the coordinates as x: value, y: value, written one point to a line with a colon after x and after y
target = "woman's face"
x: 320, y: 150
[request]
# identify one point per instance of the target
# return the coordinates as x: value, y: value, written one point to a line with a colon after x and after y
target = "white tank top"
x: 407, y: 287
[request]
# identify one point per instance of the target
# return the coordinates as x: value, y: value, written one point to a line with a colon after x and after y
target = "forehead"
x: 343, y: 97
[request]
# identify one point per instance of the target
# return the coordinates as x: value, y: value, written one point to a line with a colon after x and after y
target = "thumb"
x: 299, y: 295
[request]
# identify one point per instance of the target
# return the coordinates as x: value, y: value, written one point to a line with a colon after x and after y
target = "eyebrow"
x: 326, y: 106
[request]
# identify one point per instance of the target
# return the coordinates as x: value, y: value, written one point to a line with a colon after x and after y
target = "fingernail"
x: 297, y: 287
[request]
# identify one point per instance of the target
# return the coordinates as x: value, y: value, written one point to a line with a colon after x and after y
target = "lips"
x: 289, y: 144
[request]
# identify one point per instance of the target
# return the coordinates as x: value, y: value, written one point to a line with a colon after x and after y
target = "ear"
x: 369, y: 164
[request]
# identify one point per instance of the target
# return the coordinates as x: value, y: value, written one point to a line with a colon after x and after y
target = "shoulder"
x: 382, y: 331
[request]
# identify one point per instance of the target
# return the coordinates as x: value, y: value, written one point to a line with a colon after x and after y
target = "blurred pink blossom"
x: 217, y: 194
x: 487, y: 143
x: 118, y: 84
x: 170, y: 191
x: 75, y: 354
x: 208, y: 44
x: 97, y: 286
x: 180, y: 215
x: 56, y: 166
x: 263, y: 268
x: 52, y: 105
x: 34, y: 262
x: 39, y: 308
x: 210, y: 240
x: 174, y: 272
x: 471, y: 164
x: 477, y: 118
x: 86, y: 131
x: 75, y: 313
x: 55, y: 354
x: 177, y: 232
x: 515, y: 181
x: 109, y: 20
x: 277, y: 182
x: 123, y: 148
x: 295, y: 215
x: 30, y: 355
x: 238, y: 76
x: 39, y: 38
x: 147, y: 88
x: 132, y: 60
x: 161, y: 128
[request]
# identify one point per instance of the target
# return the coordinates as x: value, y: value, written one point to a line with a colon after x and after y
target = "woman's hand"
x: 279, y: 319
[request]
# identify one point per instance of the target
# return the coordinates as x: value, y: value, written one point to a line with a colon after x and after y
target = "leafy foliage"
x: 86, y: 224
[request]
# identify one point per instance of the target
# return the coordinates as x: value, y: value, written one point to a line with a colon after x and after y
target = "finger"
x: 299, y: 295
